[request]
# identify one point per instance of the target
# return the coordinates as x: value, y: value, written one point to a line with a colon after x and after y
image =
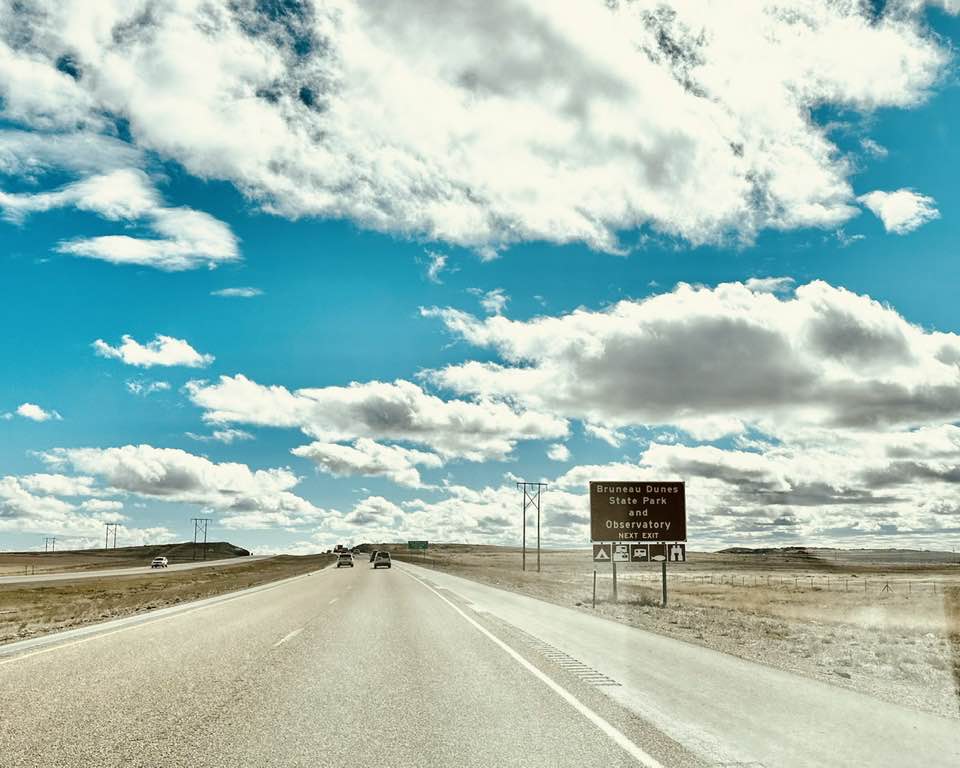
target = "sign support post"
x: 613, y: 562
x: 664, y: 566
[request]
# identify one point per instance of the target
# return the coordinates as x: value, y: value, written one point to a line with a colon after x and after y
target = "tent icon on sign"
x: 601, y: 553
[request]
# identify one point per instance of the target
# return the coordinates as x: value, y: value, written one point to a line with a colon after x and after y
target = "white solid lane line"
x: 129, y: 623
x: 333, y: 601
x: 612, y: 732
x: 287, y: 637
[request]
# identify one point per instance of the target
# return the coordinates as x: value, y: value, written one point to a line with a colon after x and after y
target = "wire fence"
x: 836, y: 583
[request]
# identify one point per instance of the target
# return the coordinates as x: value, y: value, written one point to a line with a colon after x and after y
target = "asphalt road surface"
x: 348, y: 666
x: 403, y: 667
x: 128, y: 571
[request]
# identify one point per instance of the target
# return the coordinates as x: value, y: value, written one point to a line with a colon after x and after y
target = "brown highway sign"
x: 626, y: 511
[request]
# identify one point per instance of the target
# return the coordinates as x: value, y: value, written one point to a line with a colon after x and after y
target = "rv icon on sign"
x: 639, y: 553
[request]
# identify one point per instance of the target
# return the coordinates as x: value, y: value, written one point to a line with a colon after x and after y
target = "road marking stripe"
x: 612, y: 732
x: 228, y: 597
x: 333, y: 601
x: 283, y: 640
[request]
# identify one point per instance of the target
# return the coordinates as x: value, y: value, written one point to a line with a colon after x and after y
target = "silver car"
x: 344, y: 559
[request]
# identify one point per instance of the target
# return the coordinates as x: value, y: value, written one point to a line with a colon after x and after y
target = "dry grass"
x: 901, y: 644
x: 30, y: 610
x: 16, y: 563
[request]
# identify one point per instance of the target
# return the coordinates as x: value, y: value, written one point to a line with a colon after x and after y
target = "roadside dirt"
x: 888, y: 629
x: 30, y: 610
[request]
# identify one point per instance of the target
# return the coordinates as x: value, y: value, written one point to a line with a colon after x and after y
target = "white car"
x: 345, y: 559
x: 159, y: 562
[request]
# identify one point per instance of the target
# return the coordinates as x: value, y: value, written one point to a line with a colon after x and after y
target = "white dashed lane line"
x: 287, y: 637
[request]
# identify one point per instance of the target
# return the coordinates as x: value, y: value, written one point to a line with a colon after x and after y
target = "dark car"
x: 381, y: 559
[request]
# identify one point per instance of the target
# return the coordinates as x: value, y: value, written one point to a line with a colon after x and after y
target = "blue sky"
x: 508, y: 283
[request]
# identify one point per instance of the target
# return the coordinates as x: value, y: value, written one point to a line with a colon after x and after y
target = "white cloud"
x: 101, y: 505
x: 398, y: 411
x: 551, y: 139
x: 184, y: 238
x: 163, y: 351
x: 438, y: 264
x: 34, y: 412
x: 367, y: 457
x: 29, y: 155
x: 874, y: 149
x: 145, y: 388
x: 374, y: 510
x: 238, y: 293
x: 902, y: 211
x: 770, y: 284
x: 123, y: 194
x: 30, y: 505
x: 187, y: 239
x: 245, y: 498
x: 60, y: 485
x: 494, y: 302
x: 715, y: 360
x: 227, y: 436
x: 611, y: 436
x: 558, y: 452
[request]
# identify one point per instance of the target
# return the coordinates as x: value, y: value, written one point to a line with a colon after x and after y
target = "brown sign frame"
x: 638, y: 512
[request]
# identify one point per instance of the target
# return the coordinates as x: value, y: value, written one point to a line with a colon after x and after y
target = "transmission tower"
x: 531, y: 500
x: 111, y: 527
x: 200, y: 529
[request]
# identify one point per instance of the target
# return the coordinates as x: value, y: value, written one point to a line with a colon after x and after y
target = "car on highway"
x: 159, y: 562
x: 382, y: 559
x: 344, y: 559
x: 373, y: 556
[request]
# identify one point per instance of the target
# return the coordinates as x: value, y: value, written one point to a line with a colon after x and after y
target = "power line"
x: 51, y: 542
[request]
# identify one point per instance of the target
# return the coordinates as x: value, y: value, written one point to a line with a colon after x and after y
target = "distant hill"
x: 90, y: 559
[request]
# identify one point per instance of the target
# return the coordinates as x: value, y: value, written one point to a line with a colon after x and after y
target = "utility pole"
x: 50, y: 544
x: 106, y: 540
x: 531, y: 498
x: 200, y: 527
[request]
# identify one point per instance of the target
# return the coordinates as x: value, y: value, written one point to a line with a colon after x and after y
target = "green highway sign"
x: 416, y: 545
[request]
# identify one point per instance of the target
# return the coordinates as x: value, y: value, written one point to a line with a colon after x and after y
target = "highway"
x: 408, y: 667
x: 134, y: 571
